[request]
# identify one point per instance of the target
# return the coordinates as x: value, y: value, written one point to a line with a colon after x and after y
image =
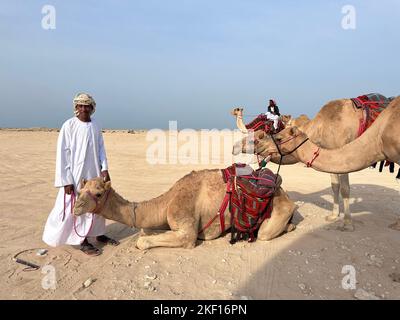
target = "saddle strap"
x: 221, y: 211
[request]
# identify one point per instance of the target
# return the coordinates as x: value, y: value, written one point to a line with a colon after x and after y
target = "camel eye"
x: 98, y: 195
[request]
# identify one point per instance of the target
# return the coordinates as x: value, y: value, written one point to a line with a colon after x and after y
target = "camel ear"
x: 294, y: 131
x: 258, y: 135
x: 83, y: 182
x: 107, y: 185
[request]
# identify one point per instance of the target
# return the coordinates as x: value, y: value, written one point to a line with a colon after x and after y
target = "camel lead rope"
x: 74, y: 218
x: 72, y: 203
x: 63, y: 217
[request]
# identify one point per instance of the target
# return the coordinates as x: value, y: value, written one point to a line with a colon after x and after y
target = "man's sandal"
x: 90, y: 249
x: 106, y: 240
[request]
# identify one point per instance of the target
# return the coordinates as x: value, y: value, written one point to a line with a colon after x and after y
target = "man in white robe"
x: 80, y: 155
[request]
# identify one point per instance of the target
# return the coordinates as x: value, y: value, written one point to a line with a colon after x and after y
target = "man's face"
x: 84, y: 110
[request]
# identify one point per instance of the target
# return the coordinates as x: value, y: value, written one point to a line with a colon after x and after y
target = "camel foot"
x: 347, y: 226
x: 290, y: 227
x: 142, y: 243
x: 332, y: 218
x: 395, y: 226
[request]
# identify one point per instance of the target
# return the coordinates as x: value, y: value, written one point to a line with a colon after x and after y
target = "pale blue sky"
x: 148, y: 62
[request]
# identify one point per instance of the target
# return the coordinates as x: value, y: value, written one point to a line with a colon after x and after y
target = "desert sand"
x: 304, y: 264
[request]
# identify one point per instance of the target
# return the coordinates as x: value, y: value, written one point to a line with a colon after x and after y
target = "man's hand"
x: 105, y: 175
x: 69, y: 189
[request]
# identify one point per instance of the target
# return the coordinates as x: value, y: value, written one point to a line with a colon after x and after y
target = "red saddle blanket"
x: 372, y: 104
x: 250, y: 200
x: 263, y: 123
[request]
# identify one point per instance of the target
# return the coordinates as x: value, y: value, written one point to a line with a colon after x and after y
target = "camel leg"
x: 345, y: 193
x: 281, y: 214
x: 335, y: 183
x: 396, y: 225
x: 171, y: 239
x: 183, y: 230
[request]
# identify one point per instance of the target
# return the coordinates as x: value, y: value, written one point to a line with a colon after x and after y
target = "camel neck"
x: 151, y: 214
x: 354, y: 156
x: 119, y: 209
x: 240, y: 124
x: 147, y: 214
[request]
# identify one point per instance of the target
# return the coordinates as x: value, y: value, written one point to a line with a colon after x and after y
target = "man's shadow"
x: 119, y: 231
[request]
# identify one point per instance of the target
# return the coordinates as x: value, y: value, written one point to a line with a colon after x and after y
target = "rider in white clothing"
x: 273, y: 113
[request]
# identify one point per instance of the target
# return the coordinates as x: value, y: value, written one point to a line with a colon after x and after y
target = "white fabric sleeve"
x: 63, y: 176
x: 102, y: 153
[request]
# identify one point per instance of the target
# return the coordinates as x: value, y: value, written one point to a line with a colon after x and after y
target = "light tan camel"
x: 380, y: 142
x: 287, y: 120
x: 335, y: 125
x: 184, y: 210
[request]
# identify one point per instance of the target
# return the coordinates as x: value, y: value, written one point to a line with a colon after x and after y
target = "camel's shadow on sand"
x: 376, y: 207
x: 311, y: 266
x: 119, y: 232
x: 361, y: 197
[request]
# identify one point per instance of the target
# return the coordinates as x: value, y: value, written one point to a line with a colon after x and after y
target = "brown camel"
x: 335, y: 125
x: 184, y: 210
x: 380, y: 142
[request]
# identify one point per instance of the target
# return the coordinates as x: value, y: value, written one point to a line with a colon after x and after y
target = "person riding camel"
x: 273, y: 113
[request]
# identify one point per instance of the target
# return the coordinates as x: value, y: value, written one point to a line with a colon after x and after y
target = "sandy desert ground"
x: 304, y: 264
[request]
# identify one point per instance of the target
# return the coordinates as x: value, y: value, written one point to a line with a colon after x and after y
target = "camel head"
x: 286, y: 119
x: 288, y: 140
x: 246, y: 145
x: 91, y: 196
x: 237, y: 112
x: 249, y: 144
x: 299, y: 121
x: 289, y: 121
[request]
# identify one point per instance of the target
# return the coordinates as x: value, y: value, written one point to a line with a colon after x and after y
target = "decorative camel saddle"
x: 263, y: 123
x: 250, y: 198
x: 372, y: 104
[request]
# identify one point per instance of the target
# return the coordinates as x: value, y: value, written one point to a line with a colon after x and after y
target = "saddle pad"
x: 261, y: 183
x: 372, y: 104
x: 375, y: 100
x: 263, y: 123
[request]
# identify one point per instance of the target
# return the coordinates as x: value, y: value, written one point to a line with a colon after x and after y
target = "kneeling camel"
x: 183, y: 211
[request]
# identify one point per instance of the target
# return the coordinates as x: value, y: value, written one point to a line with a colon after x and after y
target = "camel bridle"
x: 98, y: 200
x: 277, y: 144
x: 99, y: 206
x: 280, y: 151
x: 309, y: 163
